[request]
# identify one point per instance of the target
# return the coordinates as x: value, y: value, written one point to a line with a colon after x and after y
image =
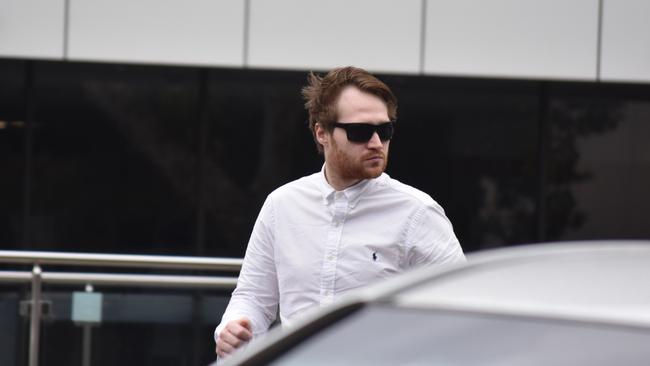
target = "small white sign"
x: 86, y: 307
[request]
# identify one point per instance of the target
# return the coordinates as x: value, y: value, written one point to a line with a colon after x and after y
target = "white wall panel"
x: 380, y: 35
x: 625, y: 50
x: 512, y: 38
x: 196, y: 32
x: 32, y: 28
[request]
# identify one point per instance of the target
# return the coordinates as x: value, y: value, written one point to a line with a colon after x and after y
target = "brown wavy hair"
x: 321, y: 95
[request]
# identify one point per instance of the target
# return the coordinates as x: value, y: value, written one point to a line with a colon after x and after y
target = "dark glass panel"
x: 14, y: 332
x: 118, y: 149
x: 473, y: 146
x: 13, y: 128
x: 138, y: 327
x: 115, y: 158
x: 599, y: 162
x: 256, y: 140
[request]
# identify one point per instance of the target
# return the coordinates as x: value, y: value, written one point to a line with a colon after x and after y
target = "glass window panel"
x: 473, y: 146
x: 383, y: 335
x: 257, y: 140
x: 14, y: 332
x: 13, y: 128
x: 599, y: 163
x: 115, y: 158
x: 138, y: 327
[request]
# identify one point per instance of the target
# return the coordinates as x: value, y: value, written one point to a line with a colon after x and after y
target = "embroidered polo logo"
x: 374, y: 256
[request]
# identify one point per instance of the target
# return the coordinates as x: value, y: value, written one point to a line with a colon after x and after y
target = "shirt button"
x: 330, y: 257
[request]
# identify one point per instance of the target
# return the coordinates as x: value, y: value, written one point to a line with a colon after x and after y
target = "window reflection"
x: 599, y: 164
x: 473, y: 146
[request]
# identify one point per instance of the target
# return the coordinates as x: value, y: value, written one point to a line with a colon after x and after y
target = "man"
x: 326, y: 234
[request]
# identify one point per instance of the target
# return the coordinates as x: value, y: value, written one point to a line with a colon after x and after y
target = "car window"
x: 388, y: 335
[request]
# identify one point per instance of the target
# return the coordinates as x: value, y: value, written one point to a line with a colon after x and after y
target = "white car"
x: 574, y: 303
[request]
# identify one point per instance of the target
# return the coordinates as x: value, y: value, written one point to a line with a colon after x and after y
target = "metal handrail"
x: 15, y: 276
x: 121, y: 279
x: 120, y: 260
x: 37, y: 277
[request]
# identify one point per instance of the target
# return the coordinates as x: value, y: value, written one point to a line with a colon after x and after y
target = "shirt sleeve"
x: 431, y: 238
x: 256, y: 295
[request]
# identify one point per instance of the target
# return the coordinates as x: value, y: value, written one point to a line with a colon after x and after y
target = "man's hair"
x: 321, y: 95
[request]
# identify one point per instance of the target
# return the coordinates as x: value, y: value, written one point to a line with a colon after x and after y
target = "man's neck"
x: 337, y: 182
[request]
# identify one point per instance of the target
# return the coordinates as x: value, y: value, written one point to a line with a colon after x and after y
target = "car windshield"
x: 388, y: 335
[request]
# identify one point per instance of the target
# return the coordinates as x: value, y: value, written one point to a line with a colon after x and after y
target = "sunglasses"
x: 362, y: 132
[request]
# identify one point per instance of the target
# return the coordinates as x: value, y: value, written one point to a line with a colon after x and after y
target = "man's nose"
x: 375, y: 142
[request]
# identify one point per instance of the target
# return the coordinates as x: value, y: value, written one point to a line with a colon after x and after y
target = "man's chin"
x: 373, y: 172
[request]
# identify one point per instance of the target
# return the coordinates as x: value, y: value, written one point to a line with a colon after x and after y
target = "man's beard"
x: 349, y: 168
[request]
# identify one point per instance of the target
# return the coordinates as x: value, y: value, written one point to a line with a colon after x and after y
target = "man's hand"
x: 234, y: 335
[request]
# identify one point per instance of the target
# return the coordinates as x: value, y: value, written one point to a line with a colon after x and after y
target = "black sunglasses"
x: 362, y: 132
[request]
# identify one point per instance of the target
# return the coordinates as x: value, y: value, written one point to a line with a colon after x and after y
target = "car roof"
x: 590, y: 281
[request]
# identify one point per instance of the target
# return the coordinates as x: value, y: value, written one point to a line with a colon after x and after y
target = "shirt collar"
x: 353, y: 193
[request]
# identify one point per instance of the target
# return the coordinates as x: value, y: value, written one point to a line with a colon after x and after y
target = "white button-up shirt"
x: 312, y: 244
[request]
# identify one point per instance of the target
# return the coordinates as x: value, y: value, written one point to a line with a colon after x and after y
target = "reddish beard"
x: 349, y: 168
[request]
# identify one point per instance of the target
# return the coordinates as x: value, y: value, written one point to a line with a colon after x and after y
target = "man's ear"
x: 322, y: 135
